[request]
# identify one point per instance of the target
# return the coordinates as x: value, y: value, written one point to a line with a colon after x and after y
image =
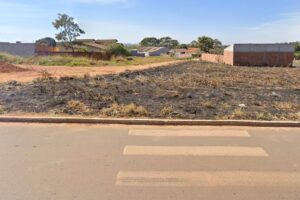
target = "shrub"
x: 118, y: 50
x: 130, y: 110
x: 63, y: 61
x: 8, y: 58
x: 297, y: 55
x: 167, y: 112
x: 76, y: 107
x: 2, y: 109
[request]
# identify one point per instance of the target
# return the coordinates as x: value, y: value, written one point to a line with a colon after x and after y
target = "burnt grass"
x: 191, y: 90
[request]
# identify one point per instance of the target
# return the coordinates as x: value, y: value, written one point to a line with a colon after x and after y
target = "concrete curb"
x: 157, y: 122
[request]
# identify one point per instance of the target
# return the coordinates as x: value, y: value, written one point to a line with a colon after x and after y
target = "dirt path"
x: 33, y: 72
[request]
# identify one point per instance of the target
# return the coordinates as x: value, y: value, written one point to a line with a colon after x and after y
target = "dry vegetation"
x: 80, y: 61
x: 192, y: 90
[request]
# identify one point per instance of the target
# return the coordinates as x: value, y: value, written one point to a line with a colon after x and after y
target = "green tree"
x: 183, y: 46
x: 297, y: 50
x: 118, y: 50
x: 297, y: 46
x: 69, y: 30
x: 194, y: 44
x: 206, y: 43
x: 150, y: 42
x: 168, y: 42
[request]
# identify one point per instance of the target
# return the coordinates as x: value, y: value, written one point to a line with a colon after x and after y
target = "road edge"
x: 153, y: 122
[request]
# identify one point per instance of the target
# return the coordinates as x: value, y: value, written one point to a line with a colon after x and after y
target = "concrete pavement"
x: 40, y: 161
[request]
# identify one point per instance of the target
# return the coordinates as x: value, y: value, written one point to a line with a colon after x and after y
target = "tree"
x: 194, y: 44
x: 206, y: 43
x: 297, y: 46
x: 118, y: 50
x: 183, y: 46
x: 168, y: 42
x: 69, y: 30
x: 150, y: 42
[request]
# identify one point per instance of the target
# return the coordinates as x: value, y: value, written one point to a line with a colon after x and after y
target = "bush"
x: 118, y: 50
x: 76, y: 107
x: 2, y: 110
x: 130, y: 110
x: 297, y: 55
x: 62, y: 61
x: 8, y: 58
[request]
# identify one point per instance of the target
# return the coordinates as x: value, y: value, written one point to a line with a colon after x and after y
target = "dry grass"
x: 167, y: 112
x: 76, y: 107
x: 81, y: 61
x: 130, y: 110
x: 2, y: 110
x: 285, y: 105
x: 207, y: 104
x: 191, y: 90
x: 45, y: 76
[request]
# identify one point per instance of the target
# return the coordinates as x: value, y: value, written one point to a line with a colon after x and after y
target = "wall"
x: 261, y: 54
x: 19, y: 49
x: 212, y: 58
x: 228, y: 57
x: 279, y: 59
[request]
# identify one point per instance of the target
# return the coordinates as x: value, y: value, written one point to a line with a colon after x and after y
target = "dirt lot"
x: 28, y: 73
x: 191, y: 90
x: 9, y: 68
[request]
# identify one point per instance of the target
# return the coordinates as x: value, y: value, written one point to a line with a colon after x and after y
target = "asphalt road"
x: 88, y: 162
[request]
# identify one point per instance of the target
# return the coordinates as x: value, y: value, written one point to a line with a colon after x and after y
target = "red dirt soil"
x: 28, y: 73
x: 9, y: 68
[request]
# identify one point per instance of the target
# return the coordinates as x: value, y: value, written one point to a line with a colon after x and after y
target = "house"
x: 186, y: 53
x: 92, y: 45
x: 45, y: 46
x: 96, y: 49
x: 150, y: 51
x: 18, y: 48
x: 255, y: 55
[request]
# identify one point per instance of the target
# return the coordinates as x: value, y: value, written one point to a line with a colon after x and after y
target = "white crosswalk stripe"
x: 189, y: 133
x: 207, y: 179
x: 195, y: 151
x: 199, y: 178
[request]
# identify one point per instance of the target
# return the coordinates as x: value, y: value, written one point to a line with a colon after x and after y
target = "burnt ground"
x: 192, y: 90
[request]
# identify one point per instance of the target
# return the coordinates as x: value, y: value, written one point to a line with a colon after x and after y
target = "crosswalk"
x: 199, y: 178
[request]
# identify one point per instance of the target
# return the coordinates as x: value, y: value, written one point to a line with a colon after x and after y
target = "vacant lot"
x: 80, y: 61
x: 191, y: 90
x: 27, y: 73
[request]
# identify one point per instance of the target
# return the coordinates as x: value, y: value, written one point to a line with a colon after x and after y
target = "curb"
x: 153, y: 122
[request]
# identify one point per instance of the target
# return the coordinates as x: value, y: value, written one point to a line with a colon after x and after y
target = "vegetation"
x: 76, y: 107
x: 150, y: 42
x: 297, y: 50
x: 208, y: 44
x: 2, y: 109
x: 162, y: 42
x: 118, y: 50
x: 191, y: 90
x: 81, y: 61
x: 204, y: 43
x: 69, y: 30
x: 8, y: 58
x: 130, y: 110
x: 168, y: 42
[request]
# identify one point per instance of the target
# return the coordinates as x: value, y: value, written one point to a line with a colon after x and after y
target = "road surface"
x: 112, y: 162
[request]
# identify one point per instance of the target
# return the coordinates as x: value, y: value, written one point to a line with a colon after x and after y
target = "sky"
x: 129, y: 21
